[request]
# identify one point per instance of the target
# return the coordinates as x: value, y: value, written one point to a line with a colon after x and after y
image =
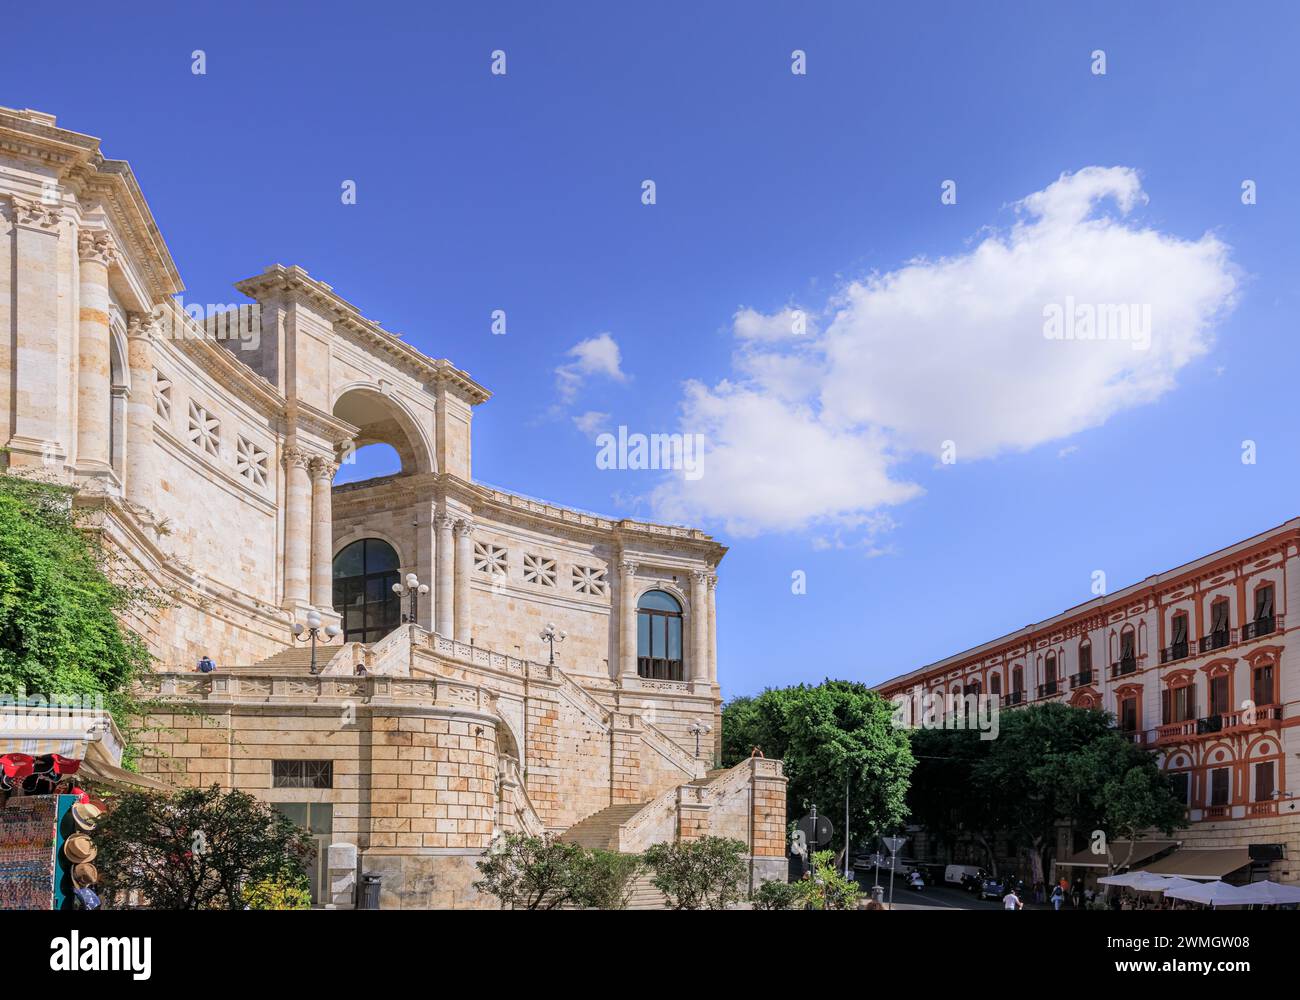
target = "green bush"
x: 704, y: 874
x: 778, y: 896
x: 824, y: 888
x: 608, y: 879
x: 278, y: 894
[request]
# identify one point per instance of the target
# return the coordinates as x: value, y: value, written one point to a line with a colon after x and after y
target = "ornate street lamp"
x: 698, y: 728
x: 312, y: 631
x: 551, y: 635
x: 416, y: 589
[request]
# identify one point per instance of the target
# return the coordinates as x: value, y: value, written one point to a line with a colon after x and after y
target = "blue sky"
x: 774, y: 191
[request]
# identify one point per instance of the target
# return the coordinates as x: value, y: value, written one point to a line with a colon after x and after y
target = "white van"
x: 953, y: 874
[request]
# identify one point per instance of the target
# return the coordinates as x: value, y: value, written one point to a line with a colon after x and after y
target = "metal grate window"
x: 302, y: 774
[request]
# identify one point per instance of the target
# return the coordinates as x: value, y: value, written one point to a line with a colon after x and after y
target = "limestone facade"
x: 204, y: 440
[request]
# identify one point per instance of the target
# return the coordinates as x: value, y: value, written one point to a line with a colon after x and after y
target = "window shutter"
x: 1164, y: 707
x: 1219, y: 616
x: 1264, y: 602
x: 1180, y: 629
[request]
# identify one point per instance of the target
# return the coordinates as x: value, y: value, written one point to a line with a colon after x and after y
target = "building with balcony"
x: 1197, y: 664
x: 203, y: 442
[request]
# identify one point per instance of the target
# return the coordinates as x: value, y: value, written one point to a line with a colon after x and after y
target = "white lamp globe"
x: 313, y: 619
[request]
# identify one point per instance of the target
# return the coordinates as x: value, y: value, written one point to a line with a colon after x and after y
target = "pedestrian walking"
x: 1011, y: 901
x: 1058, y: 897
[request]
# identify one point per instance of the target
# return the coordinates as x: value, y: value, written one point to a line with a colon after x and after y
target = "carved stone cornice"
x: 96, y: 246
x: 35, y: 214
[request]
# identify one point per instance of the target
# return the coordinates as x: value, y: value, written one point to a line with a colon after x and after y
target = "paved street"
x: 940, y: 897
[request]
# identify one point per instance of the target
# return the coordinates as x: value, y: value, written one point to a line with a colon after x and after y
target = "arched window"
x: 364, y: 574
x: 659, y: 636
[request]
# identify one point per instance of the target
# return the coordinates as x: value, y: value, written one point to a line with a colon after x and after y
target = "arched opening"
x: 380, y: 420
x: 364, y: 574
x: 371, y: 461
x: 659, y: 636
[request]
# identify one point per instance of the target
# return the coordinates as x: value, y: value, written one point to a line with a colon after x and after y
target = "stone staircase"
x: 292, y: 659
x: 599, y: 831
x: 644, y: 895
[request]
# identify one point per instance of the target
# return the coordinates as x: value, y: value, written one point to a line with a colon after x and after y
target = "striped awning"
x: 1119, y: 850
x: 1205, y: 863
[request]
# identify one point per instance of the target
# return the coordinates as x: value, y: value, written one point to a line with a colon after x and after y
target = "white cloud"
x: 591, y: 422
x: 953, y: 349
x: 598, y: 355
x: 749, y: 324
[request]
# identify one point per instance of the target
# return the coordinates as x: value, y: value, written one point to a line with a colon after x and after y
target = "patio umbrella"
x: 1125, y: 881
x: 1269, y: 893
x: 1213, y: 893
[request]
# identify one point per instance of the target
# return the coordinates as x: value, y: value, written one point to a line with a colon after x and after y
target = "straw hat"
x: 86, y: 815
x: 84, y: 874
x: 79, y: 848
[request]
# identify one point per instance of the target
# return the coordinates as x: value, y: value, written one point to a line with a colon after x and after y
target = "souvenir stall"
x: 59, y: 768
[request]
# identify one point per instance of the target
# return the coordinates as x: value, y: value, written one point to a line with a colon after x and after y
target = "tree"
x: 836, y: 732
x: 542, y: 873
x: 942, y: 796
x: 59, y: 630
x: 198, y: 849
x: 824, y: 888
x: 704, y: 874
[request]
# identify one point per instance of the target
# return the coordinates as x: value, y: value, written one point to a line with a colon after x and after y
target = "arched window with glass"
x: 659, y: 636
x: 364, y: 574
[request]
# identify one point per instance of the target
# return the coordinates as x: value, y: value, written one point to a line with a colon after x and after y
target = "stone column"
x: 424, y: 564
x: 40, y: 435
x: 322, y: 533
x: 94, y: 406
x: 713, y: 628
x: 627, y: 620
x: 699, y: 661
x: 444, y: 522
x: 140, y: 413
x: 297, y: 526
x: 464, y: 567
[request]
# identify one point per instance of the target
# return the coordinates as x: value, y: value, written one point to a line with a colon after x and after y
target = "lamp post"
x: 697, y: 728
x: 551, y: 635
x: 312, y: 631
x: 416, y: 589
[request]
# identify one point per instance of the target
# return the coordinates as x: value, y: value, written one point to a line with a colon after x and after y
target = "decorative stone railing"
x: 674, y: 752
x: 655, y: 822
x: 295, y: 687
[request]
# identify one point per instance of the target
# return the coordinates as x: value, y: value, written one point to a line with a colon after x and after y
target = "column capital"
x: 464, y: 527
x: 700, y: 577
x: 322, y: 468
x: 96, y: 246
x: 141, y: 326
x: 713, y: 581
x: 36, y: 214
x: 443, y: 521
x: 627, y: 567
x: 295, y: 457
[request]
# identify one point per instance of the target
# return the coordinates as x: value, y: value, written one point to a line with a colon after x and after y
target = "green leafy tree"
x: 59, y: 628
x: 536, y: 873
x: 704, y: 874
x: 198, y: 849
x: 943, y: 796
x: 607, y: 877
x: 279, y: 894
x: 824, y: 888
x: 836, y: 732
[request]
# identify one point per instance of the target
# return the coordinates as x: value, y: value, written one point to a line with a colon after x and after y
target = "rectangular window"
x: 302, y: 774
x: 1264, y: 602
x: 1264, y: 782
x: 1184, y: 703
x: 1180, y: 629
x: 1219, y: 779
x: 1128, y: 715
x: 1127, y: 653
x: 1219, y: 694
x: 1182, y: 786
x: 1085, y: 661
x: 1263, y: 685
x: 1165, y: 717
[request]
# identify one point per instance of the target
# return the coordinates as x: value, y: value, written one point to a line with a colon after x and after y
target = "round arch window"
x: 364, y: 574
x: 659, y: 636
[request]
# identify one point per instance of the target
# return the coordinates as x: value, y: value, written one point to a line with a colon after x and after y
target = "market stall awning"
x: 95, y: 770
x: 1205, y: 863
x: 1119, y: 850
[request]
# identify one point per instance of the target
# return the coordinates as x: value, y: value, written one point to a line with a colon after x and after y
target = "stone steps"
x: 599, y: 831
x: 644, y: 895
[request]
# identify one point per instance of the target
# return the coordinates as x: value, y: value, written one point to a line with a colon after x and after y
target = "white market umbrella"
x: 1125, y: 881
x: 1147, y: 882
x: 1268, y: 893
x: 1213, y: 893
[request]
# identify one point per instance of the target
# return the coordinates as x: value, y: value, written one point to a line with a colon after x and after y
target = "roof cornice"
x: 280, y: 280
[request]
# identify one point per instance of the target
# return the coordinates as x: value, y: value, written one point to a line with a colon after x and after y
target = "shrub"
x: 704, y: 874
x: 278, y: 894
x: 607, y: 880
x: 824, y: 888
x: 534, y: 873
x: 198, y: 849
x: 777, y: 896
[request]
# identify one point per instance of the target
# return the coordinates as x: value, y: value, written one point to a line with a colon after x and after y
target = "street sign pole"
x: 846, y: 829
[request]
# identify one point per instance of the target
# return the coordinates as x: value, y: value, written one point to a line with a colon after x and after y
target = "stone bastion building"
x: 204, y: 449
